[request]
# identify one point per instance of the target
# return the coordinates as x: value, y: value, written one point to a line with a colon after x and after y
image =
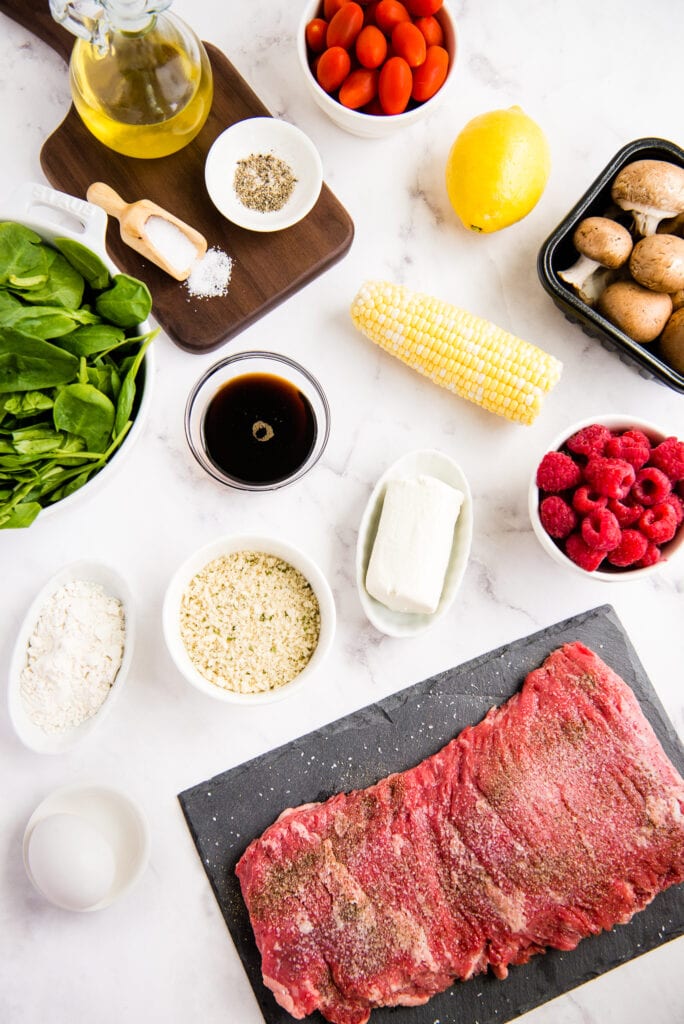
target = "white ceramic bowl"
x: 371, y: 126
x: 28, y: 732
x: 226, y: 546
x: 430, y: 463
x: 119, y: 820
x: 51, y: 215
x: 619, y: 422
x: 263, y: 135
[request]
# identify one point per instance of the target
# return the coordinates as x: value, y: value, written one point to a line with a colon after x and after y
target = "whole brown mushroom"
x: 672, y: 341
x: 657, y: 262
x: 652, y: 190
x: 637, y: 311
x: 600, y: 242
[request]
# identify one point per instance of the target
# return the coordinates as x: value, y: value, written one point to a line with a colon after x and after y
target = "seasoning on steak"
x: 557, y: 816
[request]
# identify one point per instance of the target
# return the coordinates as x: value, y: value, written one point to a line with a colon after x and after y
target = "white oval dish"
x: 227, y: 546
x: 116, y: 816
x: 28, y: 732
x: 429, y: 462
x: 257, y: 135
x: 613, y: 421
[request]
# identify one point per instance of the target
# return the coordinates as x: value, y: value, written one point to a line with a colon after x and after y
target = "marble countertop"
x: 595, y: 77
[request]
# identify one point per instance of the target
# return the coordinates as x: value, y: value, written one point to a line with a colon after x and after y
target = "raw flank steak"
x: 556, y: 817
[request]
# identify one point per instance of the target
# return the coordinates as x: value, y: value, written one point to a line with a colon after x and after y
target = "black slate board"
x: 227, y: 812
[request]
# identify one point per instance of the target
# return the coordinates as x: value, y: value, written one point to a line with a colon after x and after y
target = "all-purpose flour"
x: 73, y: 656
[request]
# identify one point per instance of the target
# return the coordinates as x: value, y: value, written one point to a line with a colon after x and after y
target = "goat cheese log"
x: 556, y: 817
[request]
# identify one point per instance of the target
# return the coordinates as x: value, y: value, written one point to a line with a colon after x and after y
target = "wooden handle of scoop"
x: 110, y: 201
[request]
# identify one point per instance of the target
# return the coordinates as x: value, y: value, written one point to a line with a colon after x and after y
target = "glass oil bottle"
x: 140, y: 78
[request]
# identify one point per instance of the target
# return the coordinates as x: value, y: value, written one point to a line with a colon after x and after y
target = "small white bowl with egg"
x: 59, y: 740
x: 210, y: 644
x: 450, y: 554
x: 85, y: 846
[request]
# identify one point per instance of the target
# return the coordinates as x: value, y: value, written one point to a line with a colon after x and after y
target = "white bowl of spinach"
x: 75, y: 365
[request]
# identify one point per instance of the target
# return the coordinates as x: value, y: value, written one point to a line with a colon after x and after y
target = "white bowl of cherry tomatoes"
x: 607, y: 498
x: 378, y: 66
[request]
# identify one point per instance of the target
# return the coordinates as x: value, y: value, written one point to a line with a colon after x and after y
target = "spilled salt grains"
x: 210, y: 276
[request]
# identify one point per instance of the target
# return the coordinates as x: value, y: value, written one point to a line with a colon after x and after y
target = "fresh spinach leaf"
x: 21, y: 516
x: 23, y: 257
x: 25, y: 404
x: 28, y: 364
x: 85, y: 262
x: 124, y: 405
x: 88, y: 340
x: 63, y: 285
x: 127, y: 303
x: 82, y: 409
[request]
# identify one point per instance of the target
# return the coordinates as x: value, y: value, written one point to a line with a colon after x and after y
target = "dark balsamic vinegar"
x: 259, y: 429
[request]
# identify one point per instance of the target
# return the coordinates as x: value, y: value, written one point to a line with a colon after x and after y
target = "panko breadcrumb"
x: 249, y: 621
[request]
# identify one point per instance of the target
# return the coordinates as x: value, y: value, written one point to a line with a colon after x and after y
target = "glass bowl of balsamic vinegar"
x: 257, y: 421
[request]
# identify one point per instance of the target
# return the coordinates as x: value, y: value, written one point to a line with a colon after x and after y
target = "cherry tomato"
x: 389, y: 13
x: 431, y: 29
x: 331, y: 7
x: 423, y: 8
x: 409, y: 42
x: 334, y: 64
x: 394, y: 85
x: 359, y: 88
x: 315, y: 34
x: 345, y: 26
x: 374, y: 108
x: 429, y: 77
x: 371, y: 47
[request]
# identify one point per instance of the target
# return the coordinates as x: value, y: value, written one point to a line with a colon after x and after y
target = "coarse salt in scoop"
x: 155, y: 233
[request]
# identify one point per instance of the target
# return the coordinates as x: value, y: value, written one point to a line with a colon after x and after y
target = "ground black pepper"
x: 263, y: 182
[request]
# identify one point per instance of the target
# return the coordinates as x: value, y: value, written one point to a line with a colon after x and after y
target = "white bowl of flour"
x: 71, y: 657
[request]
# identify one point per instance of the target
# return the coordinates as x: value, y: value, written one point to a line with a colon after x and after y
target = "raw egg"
x: 70, y: 862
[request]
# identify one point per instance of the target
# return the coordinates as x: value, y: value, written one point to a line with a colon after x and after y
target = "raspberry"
x: 678, y: 506
x: 612, y: 477
x: 557, y: 472
x: 584, y: 500
x: 633, y: 446
x: 651, y: 486
x: 652, y: 556
x: 659, y: 523
x: 631, y: 549
x: 668, y: 456
x: 578, y: 552
x: 601, y: 530
x: 590, y: 441
x: 626, y: 512
x: 557, y: 518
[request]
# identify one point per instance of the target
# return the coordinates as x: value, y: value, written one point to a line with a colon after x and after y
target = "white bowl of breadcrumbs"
x: 248, y: 619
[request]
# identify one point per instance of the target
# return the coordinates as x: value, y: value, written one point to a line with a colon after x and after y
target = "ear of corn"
x: 461, y: 352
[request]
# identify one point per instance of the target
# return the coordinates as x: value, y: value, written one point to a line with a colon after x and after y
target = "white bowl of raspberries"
x: 607, y: 498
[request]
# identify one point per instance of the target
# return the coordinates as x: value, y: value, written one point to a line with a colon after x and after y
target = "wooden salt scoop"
x: 133, y: 218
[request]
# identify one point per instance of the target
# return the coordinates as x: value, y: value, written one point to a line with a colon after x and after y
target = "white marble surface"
x: 595, y: 76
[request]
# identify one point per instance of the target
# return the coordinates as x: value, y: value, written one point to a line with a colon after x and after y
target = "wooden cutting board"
x: 267, y: 267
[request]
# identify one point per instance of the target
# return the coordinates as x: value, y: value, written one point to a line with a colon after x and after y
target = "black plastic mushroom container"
x: 558, y: 253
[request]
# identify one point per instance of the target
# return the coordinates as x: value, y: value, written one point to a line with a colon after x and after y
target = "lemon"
x: 497, y: 169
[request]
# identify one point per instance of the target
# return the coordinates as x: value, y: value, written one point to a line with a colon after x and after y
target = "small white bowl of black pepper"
x: 263, y: 174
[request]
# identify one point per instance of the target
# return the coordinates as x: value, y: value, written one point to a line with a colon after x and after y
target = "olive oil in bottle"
x: 140, y: 79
